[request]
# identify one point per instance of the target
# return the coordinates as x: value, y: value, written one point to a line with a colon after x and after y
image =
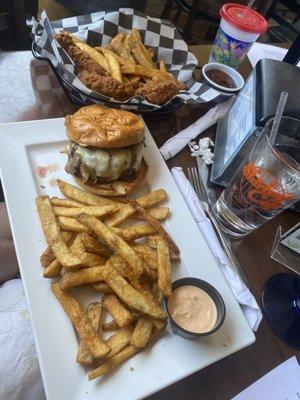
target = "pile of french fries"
x: 130, y: 268
x: 129, y: 61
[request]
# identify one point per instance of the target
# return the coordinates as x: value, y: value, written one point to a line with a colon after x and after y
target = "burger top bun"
x: 98, y: 126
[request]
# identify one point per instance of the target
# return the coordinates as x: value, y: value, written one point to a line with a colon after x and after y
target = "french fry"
x: 99, y: 58
x: 53, y: 270
x: 113, y: 64
x: 144, y: 214
x: 72, y: 224
x: 92, y: 260
x: 163, y: 266
x: 57, y: 202
x: 162, y: 66
x: 110, y: 326
x: 120, y: 60
x: 121, y: 315
x: 158, y: 296
x: 131, y: 296
x: 82, y: 324
x: 93, y: 246
x: 87, y: 259
x: 147, y: 201
x: 142, y: 332
x: 147, y: 254
x: 118, y: 341
x: 138, y: 70
x: 48, y: 256
x: 138, y: 38
x: 116, y: 243
x: 95, y: 314
x: 53, y: 235
x: 87, y: 198
x: 137, y: 51
x: 150, y: 52
x: 135, y: 232
x: 90, y: 210
x: 82, y: 277
x: 113, y: 362
x: 136, y: 34
x: 103, y: 288
x: 122, y: 268
x: 121, y: 48
x: 153, y: 245
x: 159, y: 213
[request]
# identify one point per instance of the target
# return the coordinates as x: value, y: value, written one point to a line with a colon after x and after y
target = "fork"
x: 198, y: 185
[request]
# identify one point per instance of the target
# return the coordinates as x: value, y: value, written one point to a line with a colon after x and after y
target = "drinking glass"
x: 266, y: 183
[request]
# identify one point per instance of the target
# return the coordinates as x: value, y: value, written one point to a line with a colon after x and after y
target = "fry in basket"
x: 162, y: 66
x: 95, y: 314
x: 116, y: 243
x: 53, y: 235
x: 113, y: 362
x: 121, y: 48
x: 119, y: 340
x: 121, y: 315
x: 142, y: 332
x: 95, y: 55
x: 82, y: 324
x: 113, y: 64
x: 163, y: 266
x: 97, y: 211
x: 120, y: 60
x: 137, y: 51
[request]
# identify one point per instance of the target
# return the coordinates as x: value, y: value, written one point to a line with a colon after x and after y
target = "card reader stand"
x: 254, y: 106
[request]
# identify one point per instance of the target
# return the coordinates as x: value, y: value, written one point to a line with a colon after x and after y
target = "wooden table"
x: 28, y: 94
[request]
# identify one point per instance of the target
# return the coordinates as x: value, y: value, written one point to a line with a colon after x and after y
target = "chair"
x: 207, y: 10
x: 13, y: 30
x: 85, y: 7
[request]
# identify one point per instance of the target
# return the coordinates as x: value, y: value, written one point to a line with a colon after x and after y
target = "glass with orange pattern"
x: 266, y: 183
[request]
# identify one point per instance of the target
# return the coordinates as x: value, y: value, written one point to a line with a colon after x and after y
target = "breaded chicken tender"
x: 158, y: 92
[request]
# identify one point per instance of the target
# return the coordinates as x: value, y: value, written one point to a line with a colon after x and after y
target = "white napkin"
x: 241, y: 292
x: 177, y: 142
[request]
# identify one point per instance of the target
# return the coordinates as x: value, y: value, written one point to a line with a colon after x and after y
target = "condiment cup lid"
x: 252, y: 21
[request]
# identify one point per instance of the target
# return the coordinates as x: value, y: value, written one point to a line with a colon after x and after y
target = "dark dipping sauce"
x: 220, y: 78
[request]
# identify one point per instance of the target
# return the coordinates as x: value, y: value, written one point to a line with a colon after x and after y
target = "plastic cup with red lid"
x: 239, y: 29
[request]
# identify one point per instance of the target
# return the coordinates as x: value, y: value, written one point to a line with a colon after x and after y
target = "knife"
x: 209, y: 197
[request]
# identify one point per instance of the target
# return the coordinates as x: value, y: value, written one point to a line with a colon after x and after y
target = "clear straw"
x: 249, y: 5
x: 278, y: 116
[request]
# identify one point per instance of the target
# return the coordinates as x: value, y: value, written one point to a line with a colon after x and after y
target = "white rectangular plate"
x: 24, y: 147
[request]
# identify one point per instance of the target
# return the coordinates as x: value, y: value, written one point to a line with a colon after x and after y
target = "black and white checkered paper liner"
x: 98, y: 29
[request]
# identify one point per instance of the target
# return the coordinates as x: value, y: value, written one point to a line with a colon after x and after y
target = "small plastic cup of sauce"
x: 195, y: 308
x: 222, y: 78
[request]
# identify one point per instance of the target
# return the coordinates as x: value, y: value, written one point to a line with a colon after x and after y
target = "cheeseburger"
x: 106, y: 151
